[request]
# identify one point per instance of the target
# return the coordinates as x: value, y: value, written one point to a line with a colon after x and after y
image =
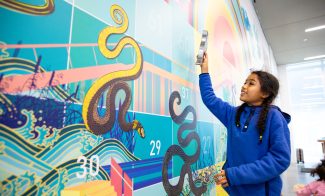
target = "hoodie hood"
x: 286, y: 116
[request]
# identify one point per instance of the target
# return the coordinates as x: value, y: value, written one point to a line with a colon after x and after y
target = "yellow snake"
x: 15, y: 5
x: 115, y: 81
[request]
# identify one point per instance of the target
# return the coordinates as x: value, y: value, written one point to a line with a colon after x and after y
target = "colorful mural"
x: 103, y: 95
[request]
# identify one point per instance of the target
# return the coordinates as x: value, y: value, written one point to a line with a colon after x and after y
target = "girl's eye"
x: 249, y: 83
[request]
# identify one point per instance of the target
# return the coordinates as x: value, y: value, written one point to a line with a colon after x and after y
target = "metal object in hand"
x: 203, y: 47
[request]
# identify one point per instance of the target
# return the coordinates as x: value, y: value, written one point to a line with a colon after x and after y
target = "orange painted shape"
x: 89, y: 188
x: 19, y: 83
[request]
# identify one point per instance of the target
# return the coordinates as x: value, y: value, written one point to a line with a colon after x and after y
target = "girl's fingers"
x: 221, y: 174
x: 222, y: 182
x: 221, y: 179
x: 205, y: 57
x: 225, y: 185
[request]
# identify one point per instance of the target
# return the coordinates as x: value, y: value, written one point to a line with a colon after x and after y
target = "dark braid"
x: 239, y: 111
x: 262, y: 119
x: 269, y: 85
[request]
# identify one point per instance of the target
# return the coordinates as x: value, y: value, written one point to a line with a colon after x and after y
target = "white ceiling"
x: 284, y: 23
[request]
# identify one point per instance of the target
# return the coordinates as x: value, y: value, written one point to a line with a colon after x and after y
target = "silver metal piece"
x: 203, y: 47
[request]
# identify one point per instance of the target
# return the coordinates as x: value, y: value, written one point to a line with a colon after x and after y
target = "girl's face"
x: 251, y: 91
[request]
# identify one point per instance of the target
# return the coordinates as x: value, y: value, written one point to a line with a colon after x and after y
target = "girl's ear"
x: 265, y: 95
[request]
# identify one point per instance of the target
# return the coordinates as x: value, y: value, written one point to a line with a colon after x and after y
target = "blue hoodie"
x: 252, y: 168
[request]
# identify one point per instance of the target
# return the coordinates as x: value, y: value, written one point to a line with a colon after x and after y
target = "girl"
x: 258, y: 139
x: 314, y: 188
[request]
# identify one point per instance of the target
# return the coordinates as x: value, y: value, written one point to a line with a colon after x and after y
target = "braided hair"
x: 270, y: 86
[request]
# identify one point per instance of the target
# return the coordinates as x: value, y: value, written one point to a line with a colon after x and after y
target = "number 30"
x: 83, y: 166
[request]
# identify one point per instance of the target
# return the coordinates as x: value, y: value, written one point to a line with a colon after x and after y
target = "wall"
x: 79, y: 89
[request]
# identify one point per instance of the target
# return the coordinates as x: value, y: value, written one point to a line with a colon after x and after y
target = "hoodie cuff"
x: 204, y: 74
x: 229, y: 176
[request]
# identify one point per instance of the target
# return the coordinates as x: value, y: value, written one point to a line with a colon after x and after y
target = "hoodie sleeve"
x: 272, y: 164
x: 222, y: 110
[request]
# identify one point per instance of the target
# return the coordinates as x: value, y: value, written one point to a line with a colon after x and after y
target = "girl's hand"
x: 204, y: 65
x: 221, y: 179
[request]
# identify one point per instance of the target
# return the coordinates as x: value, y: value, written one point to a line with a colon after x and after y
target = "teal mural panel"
x: 105, y: 94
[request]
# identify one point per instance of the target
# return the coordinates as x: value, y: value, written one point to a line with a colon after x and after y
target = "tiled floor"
x: 293, y: 176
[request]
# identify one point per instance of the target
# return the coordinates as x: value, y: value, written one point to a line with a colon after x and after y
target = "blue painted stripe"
x: 144, y: 170
x: 141, y: 162
x: 149, y: 182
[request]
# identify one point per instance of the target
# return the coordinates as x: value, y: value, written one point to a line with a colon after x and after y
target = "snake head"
x: 141, y: 132
x: 137, y: 126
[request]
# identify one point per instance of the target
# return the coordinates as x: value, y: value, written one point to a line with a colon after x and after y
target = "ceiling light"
x: 315, y: 28
x: 314, y: 57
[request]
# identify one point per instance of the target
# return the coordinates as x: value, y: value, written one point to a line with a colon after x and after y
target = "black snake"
x: 177, y: 150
